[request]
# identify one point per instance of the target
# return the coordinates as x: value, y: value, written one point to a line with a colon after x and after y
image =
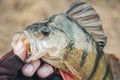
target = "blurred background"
x: 17, y: 14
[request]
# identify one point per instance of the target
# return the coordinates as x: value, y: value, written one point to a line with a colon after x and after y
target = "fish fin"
x: 84, y: 14
x: 74, y: 68
x: 66, y: 76
x: 114, y: 63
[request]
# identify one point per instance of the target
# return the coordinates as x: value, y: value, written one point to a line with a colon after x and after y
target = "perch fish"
x: 72, y: 42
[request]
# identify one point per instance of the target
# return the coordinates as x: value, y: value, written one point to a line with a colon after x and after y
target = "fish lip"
x: 19, y: 37
x: 26, y: 34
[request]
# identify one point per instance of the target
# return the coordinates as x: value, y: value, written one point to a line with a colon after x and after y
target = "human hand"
x: 30, y: 68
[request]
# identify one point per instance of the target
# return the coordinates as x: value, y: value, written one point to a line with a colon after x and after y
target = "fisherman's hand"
x: 30, y: 68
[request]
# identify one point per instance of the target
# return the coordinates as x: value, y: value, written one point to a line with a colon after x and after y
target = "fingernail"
x: 45, y: 71
x: 19, y: 46
x: 28, y: 68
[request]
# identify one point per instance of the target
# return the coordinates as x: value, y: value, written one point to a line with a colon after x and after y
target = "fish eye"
x: 45, y: 30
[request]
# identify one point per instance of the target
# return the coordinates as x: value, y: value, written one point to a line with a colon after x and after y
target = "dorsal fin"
x: 86, y: 16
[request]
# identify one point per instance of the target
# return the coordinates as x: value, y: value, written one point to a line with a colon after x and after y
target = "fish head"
x: 45, y: 38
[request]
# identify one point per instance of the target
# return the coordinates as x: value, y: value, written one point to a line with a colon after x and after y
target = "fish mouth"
x: 35, y: 48
x: 21, y: 36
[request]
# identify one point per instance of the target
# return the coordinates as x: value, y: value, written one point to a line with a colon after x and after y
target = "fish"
x: 72, y: 42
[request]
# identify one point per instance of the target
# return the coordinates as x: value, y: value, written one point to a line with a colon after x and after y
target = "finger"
x: 29, y: 69
x: 45, y: 70
x: 20, y: 50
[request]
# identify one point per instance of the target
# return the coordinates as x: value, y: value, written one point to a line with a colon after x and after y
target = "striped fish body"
x: 72, y: 42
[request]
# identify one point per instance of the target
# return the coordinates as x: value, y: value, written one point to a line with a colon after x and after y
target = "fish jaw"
x: 35, y: 48
x: 40, y: 55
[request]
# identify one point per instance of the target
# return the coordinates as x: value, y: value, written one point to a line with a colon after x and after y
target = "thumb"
x: 20, y: 50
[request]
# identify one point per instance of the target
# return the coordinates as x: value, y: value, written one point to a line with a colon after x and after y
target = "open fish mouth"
x: 22, y: 36
x: 35, y: 48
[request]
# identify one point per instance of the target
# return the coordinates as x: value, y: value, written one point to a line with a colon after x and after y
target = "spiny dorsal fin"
x: 86, y: 16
